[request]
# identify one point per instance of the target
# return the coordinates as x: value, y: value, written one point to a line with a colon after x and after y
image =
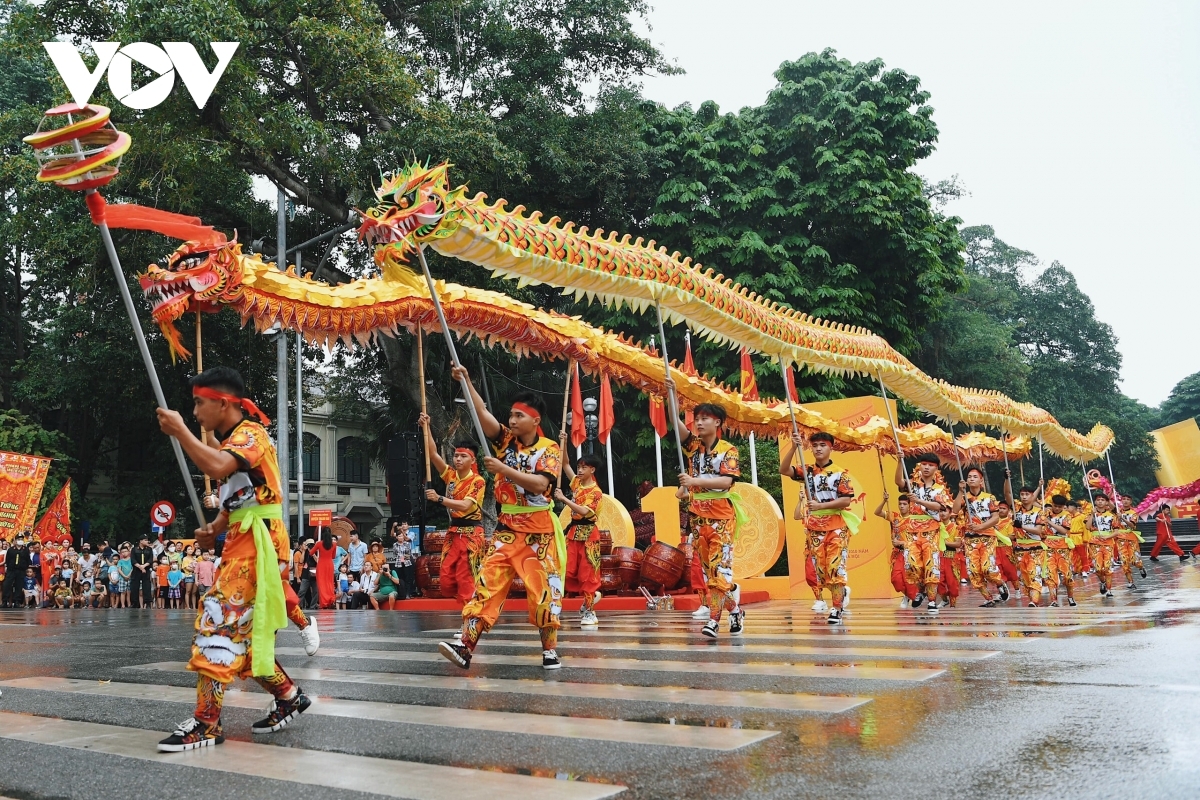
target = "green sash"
x: 740, y: 517
x: 560, y: 538
x: 270, y: 610
x: 852, y: 520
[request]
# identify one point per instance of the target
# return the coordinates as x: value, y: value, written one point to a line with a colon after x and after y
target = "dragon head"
x: 198, y: 276
x: 414, y: 205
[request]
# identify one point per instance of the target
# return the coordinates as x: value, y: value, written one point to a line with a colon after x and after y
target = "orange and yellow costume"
x: 712, y: 519
x: 829, y: 531
x: 1058, y: 555
x: 223, y: 648
x: 922, y: 564
x: 462, y: 552
x: 1030, y: 550
x: 526, y: 544
x: 583, y: 543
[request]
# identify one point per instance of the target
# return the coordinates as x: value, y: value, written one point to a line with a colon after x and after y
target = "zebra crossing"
x: 643, y: 687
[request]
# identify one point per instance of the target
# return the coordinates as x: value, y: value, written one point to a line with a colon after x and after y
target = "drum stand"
x: 664, y: 603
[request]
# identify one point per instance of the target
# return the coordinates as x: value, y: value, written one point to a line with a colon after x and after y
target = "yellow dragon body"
x: 416, y: 207
x: 206, y: 275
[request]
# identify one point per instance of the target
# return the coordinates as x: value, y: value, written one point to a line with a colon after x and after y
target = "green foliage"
x: 20, y: 434
x: 1183, y: 402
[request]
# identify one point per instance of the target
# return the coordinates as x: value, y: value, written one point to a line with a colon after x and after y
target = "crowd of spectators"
x: 167, y: 574
x: 159, y: 574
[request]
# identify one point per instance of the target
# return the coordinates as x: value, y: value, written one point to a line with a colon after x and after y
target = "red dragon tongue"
x: 174, y: 342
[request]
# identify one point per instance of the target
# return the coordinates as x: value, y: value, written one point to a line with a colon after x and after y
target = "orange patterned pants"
x: 831, y: 563
x: 583, y: 567
x: 462, y: 555
x: 1058, y: 571
x: 1102, y: 558
x: 982, y: 569
x: 532, y: 557
x: 713, y: 539
x: 923, y: 563
x: 1029, y: 570
x: 1128, y: 549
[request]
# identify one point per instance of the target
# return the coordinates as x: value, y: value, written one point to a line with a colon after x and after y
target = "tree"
x: 1183, y: 402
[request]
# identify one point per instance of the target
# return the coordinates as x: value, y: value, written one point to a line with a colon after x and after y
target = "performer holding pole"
x: 462, y: 551
x: 246, y: 604
x: 528, y: 541
x: 583, y: 536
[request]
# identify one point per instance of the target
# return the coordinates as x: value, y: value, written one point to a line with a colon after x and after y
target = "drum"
x: 606, y: 545
x: 629, y: 565
x: 689, y: 551
x: 431, y: 543
x: 429, y: 569
x: 663, y: 565
x: 610, y: 575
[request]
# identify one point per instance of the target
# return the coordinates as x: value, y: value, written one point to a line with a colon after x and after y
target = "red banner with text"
x: 22, y: 478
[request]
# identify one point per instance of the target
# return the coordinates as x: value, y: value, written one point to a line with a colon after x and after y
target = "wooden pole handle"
x: 424, y: 407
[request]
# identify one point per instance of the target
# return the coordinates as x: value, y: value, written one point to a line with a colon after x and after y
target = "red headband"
x: 529, y: 411
x: 245, y: 403
x: 471, y: 453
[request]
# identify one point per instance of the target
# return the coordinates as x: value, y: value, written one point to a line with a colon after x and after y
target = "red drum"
x: 610, y: 575
x: 663, y: 565
x: 629, y: 565
x: 431, y: 543
x: 605, y: 542
x: 429, y: 570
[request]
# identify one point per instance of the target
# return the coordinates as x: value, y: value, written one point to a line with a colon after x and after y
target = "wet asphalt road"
x: 1097, y: 701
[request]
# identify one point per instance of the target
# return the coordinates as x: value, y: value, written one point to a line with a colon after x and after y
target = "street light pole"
x: 299, y: 418
x: 281, y: 361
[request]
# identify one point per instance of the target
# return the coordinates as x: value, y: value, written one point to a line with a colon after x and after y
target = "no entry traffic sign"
x: 162, y: 513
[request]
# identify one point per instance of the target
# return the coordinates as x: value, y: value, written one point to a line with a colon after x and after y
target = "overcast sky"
x: 1074, y: 126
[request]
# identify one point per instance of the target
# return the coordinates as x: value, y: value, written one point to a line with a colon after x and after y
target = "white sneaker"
x: 588, y: 620
x: 933, y: 608
x: 702, y: 613
x: 458, y: 636
x: 904, y: 602
x: 311, y: 637
x: 846, y: 599
x: 820, y: 607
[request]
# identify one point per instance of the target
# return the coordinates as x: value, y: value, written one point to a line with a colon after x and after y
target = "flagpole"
x: 753, y: 462
x: 608, y: 445
x: 795, y: 431
x: 658, y: 457
x: 572, y: 369
x: 674, y: 400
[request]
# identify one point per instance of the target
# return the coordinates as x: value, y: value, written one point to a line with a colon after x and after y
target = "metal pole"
x: 424, y: 405
x: 658, y: 457
x: 673, y: 401
x: 281, y: 360
x: 961, y: 477
x: 1042, y: 473
x: 795, y: 431
x: 572, y: 373
x: 441, y: 315
x: 895, y: 433
x: 608, y: 445
x: 299, y: 419
x: 140, y: 337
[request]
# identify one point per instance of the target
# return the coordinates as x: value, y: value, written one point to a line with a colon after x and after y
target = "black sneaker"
x: 550, y: 660
x: 1154, y: 558
x: 282, y: 712
x: 1131, y: 585
x: 736, y: 620
x: 1033, y: 604
x: 710, y: 629
x: 835, y: 617
x: 1184, y: 557
x: 1143, y: 571
x: 989, y: 604
x: 190, y: 735
x: 1071, y: 602
x: 1003, y: 593
x: 918, y: 600
x: 1054, y: 604
x: 456, y: 653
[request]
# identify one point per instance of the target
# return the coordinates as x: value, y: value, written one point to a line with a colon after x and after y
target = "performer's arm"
x: 717, y: 483
x: 435, y: 458
x: 216, y: 464
x: 785, y: 467
x: 450, y: 503
x: 491, y: 427
x: 901, y: 478
x: 1008, y: 497
x: 961, y: 498
x: 879, y: 512
x: 583, y: 511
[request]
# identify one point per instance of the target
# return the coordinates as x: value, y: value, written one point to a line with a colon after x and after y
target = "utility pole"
x: 281, y: 362
x: 299, y: 419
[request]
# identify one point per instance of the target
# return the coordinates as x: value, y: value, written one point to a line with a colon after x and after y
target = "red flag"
x: 607, y: 417
x: 791, y: 385
x: 689, y: 368
x: 578, y: 426
x: 55, y: 524
x: 749, y: 384
x: 658, y: 415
